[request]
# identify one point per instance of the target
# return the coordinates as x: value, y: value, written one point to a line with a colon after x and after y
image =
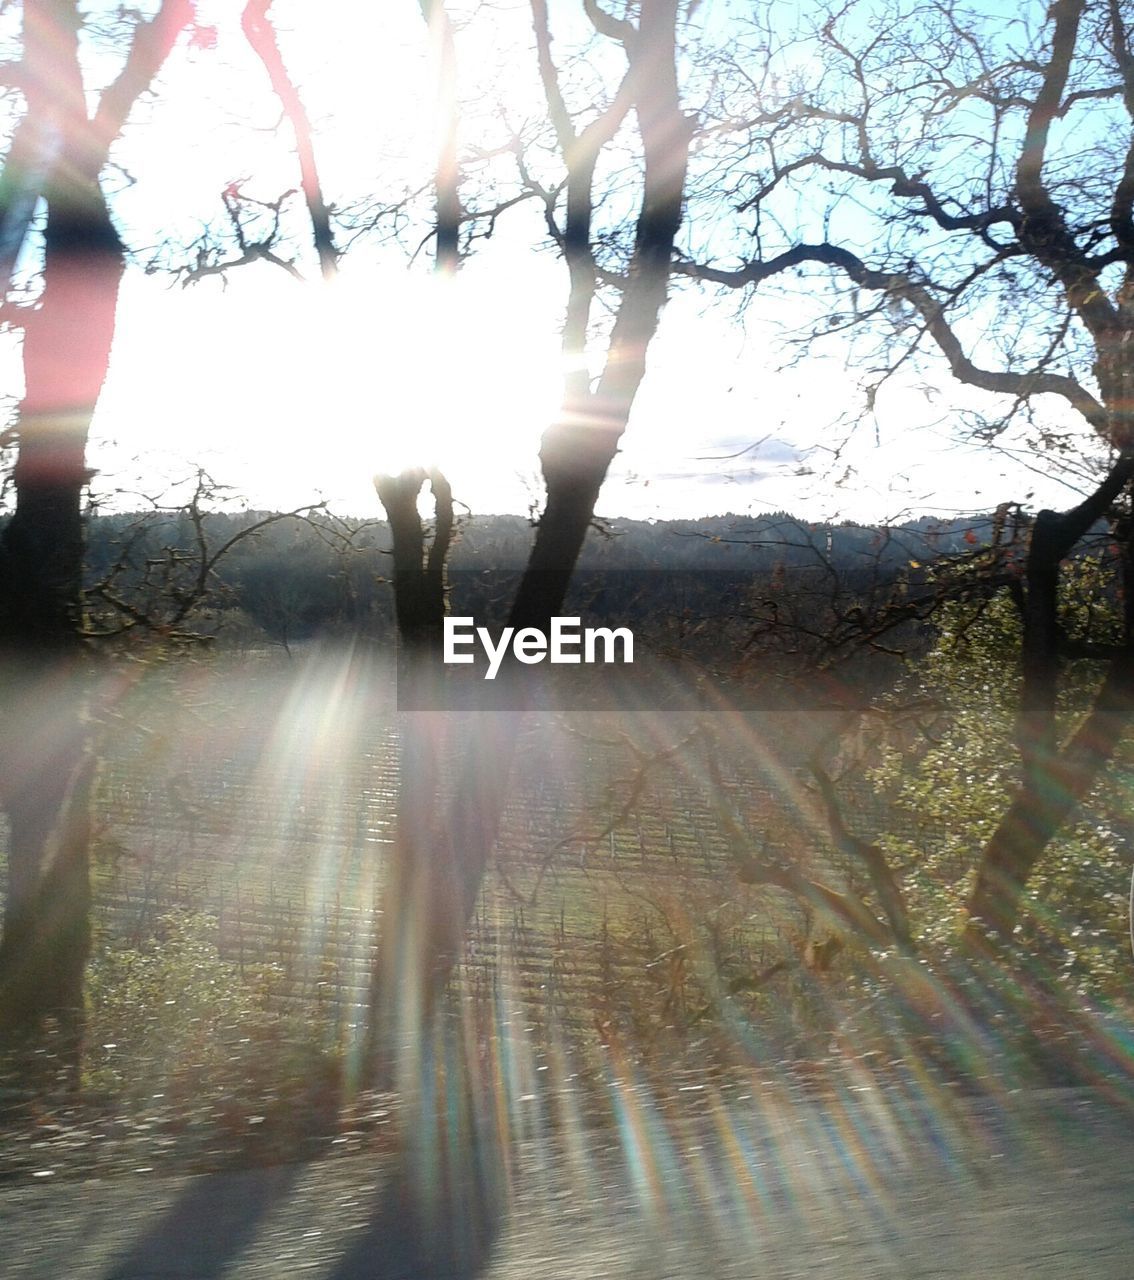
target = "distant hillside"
x: 294, y: 579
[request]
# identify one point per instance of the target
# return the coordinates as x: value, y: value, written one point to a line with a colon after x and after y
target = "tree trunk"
x: 1055, y: 779
x: 1054, y: 785
x: 45, y: 788
x: 438, y: 866
x: 419, y: 571
x: 47, y: 769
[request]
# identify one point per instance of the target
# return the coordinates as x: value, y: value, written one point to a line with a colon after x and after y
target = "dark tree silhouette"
x: 441, y: 852
x: 58, y: 156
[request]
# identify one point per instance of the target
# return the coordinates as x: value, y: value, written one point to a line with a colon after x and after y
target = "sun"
x: 289, y: 391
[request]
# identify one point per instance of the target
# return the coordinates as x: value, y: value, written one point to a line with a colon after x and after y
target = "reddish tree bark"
x: 47, y: 772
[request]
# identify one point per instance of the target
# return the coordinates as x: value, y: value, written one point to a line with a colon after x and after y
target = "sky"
x: 291, y: 392
x: 294, y: 393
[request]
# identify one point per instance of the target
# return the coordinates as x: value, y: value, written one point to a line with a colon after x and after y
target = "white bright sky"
x: 291, y: 392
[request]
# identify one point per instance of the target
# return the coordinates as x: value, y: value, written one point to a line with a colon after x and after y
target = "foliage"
x: 950, y: 791
x: 171, y: 1018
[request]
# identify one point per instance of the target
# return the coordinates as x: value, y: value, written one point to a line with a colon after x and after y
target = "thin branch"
x: 869, y: 856
x: 901, y: 285
x: 902, y: 186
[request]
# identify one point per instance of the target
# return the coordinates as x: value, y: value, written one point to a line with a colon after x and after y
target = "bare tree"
x: 441, y: 852
x: 971, y: 181
x: 59, y: 153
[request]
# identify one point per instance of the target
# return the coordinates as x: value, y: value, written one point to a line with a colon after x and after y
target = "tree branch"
x: 867, y: 855
x: 549, y: 76
x: 1122, y: 208
x: 1030, y: 188
x: 580, y: 153
x: 446, y: 180
x: 901, y: 285
x: 261, y: 36
x: 606, y: 24
x: 152, y: 44
x: 902, y: 186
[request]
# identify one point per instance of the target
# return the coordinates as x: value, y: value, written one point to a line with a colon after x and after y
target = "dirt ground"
x: 1040, y: 1185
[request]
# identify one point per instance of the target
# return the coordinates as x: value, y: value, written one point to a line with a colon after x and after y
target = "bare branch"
x: 556, y: 106
x: 1122, y: 208
x: 846, y: 909
x: 902, y: 186
x: 580, y: 155
x: 901, y: 285
x: 867, y: 855
x: 606, y: 24
x: 152, y: 44
x: 261, y: 35
x: 1030, y: 188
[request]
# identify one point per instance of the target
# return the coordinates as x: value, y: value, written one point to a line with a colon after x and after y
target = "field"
x: 264, y: 796
x: 615, y: 971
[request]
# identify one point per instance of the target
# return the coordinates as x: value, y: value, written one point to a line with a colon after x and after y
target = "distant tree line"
x: 293, y: 580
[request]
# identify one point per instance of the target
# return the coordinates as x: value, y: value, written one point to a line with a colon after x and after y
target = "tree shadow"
x: 444, y: 1232
x: 207, y: 1226
x: 419, y: 1228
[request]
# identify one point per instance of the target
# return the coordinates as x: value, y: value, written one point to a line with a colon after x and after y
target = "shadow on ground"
x: 406, y: 1239
x: 445, y: 1232
x: 207, y: 1226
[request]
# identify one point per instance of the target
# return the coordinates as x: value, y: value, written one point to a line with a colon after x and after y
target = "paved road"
x: 1044, y: 1188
